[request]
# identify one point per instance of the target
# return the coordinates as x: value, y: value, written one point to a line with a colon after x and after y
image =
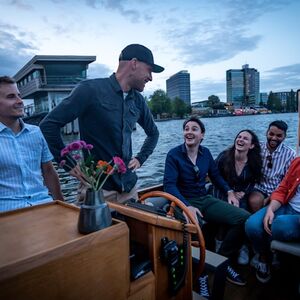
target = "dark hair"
x: 6, y: 80
x: 194, y: 119
x: 279, y: 124
x: 254, y: 160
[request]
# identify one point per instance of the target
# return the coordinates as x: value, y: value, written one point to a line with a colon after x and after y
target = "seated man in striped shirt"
x: 277, y: 158
x: 25, y: 160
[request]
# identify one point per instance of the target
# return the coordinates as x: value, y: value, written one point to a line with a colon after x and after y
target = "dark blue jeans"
x: 285, y: 227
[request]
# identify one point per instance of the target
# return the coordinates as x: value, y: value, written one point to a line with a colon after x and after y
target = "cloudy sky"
x: 204, y: 37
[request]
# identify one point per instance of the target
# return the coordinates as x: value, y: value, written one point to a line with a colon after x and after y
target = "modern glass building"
x: 235, y: 87
x: 243, y: 86
x: 179, y: 85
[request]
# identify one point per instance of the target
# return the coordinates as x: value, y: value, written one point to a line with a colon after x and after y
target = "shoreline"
x: 219, y: 116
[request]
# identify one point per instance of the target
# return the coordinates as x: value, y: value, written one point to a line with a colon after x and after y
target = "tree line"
x: 276, y: 105
x: 162, y: 106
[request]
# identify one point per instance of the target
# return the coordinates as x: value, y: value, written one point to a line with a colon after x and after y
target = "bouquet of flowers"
x: 95, y: 173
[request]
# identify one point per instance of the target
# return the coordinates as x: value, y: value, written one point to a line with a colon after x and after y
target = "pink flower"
x: 75, y: 146
x: 62, y: 163
x: 64, y: 151
x: 120, y: 164
x: 89, y: 146
x: 77, y: 156
x: 82, y: 143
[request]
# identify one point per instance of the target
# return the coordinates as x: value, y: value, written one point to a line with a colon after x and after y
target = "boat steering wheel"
x: 176, y: 202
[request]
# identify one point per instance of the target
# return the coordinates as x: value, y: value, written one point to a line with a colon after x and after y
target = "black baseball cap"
x: 141, y: 53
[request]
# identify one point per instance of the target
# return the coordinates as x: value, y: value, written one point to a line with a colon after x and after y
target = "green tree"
x: 189, y: 109
x: 213, y: 101
x: 274, y: 103
x: 179, y: 107
x: 160, y: 103
x: 291, y: 102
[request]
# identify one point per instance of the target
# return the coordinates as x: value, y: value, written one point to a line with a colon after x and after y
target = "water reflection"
x: 220, y: 133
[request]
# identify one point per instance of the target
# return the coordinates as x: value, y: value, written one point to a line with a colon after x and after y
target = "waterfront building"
x: 287, y: 100
x: 47, y: 79
x: 203, y: 108
x: 283, y: 97
x: 242, y: 86
x: 179, y: 85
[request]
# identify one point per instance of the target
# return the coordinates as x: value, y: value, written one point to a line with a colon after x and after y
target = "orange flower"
x: 105, y: 166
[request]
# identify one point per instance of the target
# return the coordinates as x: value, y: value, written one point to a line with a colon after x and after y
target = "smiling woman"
x: 240, y: 165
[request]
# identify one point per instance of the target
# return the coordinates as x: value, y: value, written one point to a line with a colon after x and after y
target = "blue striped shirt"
x: 21, y: 156
x: 281, y: 160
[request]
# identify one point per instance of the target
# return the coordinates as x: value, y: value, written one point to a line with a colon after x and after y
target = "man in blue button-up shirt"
x: 108, y: 110
x: 25, y: 160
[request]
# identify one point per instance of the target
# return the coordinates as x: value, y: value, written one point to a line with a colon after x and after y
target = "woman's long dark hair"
x: 254, y: 160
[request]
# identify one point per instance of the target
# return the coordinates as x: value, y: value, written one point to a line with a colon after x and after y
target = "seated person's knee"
x: 255, y: 201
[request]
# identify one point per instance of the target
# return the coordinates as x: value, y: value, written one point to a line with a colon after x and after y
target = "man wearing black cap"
x: 107, y: 110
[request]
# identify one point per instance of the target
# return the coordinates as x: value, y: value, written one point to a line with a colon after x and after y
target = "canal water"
x: 220, y: 133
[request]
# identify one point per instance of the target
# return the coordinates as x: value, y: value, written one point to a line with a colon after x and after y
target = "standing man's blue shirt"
x: 184, y: 180
x: 21, y: 156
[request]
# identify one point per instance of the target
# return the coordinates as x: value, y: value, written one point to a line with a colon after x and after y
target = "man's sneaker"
x: 234, y: 277
x: 254, y: 261
x: 243, y: 258
x: 263, y: 273
x: 203, y: 286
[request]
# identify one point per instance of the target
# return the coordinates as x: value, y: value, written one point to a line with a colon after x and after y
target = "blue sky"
x: 204, y: 37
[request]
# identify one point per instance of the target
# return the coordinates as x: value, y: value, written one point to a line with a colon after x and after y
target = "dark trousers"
x: 217, y: 211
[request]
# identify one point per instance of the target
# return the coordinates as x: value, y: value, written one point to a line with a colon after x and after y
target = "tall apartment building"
x: 179, y: 85
x: 242, y: 86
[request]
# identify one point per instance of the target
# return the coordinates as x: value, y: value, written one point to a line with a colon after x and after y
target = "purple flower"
x: 77, y: 156
x: 64, y: 151
x: 83, y: 144
x: 75, y: 146
x: 62, y: 163
x: 89, y: 146
x: 120, y: 164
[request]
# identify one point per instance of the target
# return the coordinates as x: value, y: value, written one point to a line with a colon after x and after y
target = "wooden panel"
x: 143, y: 288
x: 61, y: 263
x: 161, y: 271
x: 150, y: 236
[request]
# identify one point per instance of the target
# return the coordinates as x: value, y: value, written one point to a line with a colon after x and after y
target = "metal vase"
x: 94, y: 212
